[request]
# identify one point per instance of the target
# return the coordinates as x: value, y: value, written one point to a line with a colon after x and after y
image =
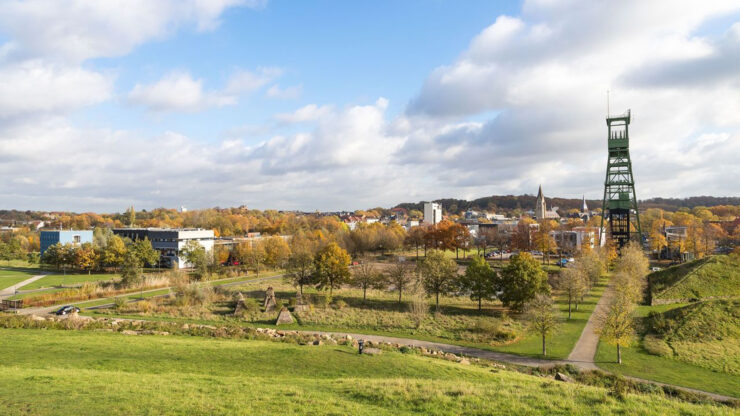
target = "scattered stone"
x: 284, y: 318
x: 563, y: 377
x: 372, y: 351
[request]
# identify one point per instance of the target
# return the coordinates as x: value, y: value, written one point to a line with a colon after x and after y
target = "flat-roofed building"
x: 48, y: 238
x: 170, y: 242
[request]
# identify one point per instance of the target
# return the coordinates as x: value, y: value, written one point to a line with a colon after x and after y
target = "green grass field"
x: 90, y: 373
x: 54, y: 280
x: 10, y: 277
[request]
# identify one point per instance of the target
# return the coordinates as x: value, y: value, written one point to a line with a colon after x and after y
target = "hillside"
x: 706, y: 334
x: 120, y: 374
x: 526, y: 202
x: 715, y: 276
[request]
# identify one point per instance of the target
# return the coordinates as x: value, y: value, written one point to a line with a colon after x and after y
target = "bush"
x: 119, y: 303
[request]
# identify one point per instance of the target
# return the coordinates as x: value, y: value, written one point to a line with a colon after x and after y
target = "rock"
x: 284, y: 318
x: 372, y: 351
x: 563, y: 377
x: 129, y: 332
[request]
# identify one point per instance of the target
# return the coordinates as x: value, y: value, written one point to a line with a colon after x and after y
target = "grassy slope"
x: 10, y: 277
x: 712, y: 276
x: 68, y: 280
x: 705, y: 365
x: 118, y: 374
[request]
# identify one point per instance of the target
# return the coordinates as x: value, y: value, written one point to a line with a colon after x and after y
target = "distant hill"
x: 527, y: 202
x: 711, y: 277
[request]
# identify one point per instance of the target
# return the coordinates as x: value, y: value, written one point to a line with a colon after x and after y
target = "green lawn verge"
x: 637, y: 362
x: 88, y: 373
x: 54, y: 280
x: 11, y: 277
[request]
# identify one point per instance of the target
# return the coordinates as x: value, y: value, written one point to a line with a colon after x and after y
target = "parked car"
x: 64, y: 310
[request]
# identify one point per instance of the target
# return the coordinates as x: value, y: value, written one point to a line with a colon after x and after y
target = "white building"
x: 432, y: 213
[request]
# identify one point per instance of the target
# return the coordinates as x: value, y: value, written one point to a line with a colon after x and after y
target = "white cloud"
x: 243, y: 81
x: 178, y: 91
x: 310, y: 112
x: 37, y: 87
x: 287, y: 93
x: 78, y: 30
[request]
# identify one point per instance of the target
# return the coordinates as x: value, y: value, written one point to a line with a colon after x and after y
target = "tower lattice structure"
x: 620, y: 199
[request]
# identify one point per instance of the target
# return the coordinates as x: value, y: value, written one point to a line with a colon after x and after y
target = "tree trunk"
x: 569, y: 302
x: 619, y: 354
x: 544, y: 348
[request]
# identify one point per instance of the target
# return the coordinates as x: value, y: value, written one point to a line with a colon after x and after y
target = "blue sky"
x: 344, y: 105
x: 339, y: 52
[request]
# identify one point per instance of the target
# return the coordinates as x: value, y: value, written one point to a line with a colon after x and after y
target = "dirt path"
x: 10, y: 291
x: 584, y: 351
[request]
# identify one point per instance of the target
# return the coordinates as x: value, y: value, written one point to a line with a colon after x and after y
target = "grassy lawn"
x: 10, y: 277
x: 115, y: 374
x: 55, y: 280
x: 561, y: 343
x: 637, y: 362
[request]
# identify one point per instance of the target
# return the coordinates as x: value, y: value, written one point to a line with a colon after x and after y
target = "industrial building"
x: 170, y: 241
x: 48, y: 238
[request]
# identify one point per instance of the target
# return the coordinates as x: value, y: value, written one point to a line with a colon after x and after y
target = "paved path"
x: 10, y: 291
x: 584, y: 351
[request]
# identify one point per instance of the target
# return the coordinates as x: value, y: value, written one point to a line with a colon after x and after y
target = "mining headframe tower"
x: 620, y: 199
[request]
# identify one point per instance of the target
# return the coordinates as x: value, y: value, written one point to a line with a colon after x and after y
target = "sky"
x: 335, y: 105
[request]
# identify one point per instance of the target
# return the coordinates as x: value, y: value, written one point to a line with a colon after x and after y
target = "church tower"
x: 539, y: 208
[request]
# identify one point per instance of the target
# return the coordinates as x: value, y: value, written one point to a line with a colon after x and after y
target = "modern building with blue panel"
x: 50, y: 237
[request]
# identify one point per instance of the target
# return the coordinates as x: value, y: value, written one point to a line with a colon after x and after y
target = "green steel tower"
x: 620, y: 200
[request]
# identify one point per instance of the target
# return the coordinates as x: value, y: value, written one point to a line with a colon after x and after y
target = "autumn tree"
x: 615, y: 325
x: 399, y: 276
x: 438, y: 274
x: 573, y: 281
x: 331, y: 266
x: 542, y: 317
x: 276, y: 250
x: 521, y: 280
x: 479, y: 281
x: 85, y: 257
x: 415, y: 238
x: 366, y: 276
